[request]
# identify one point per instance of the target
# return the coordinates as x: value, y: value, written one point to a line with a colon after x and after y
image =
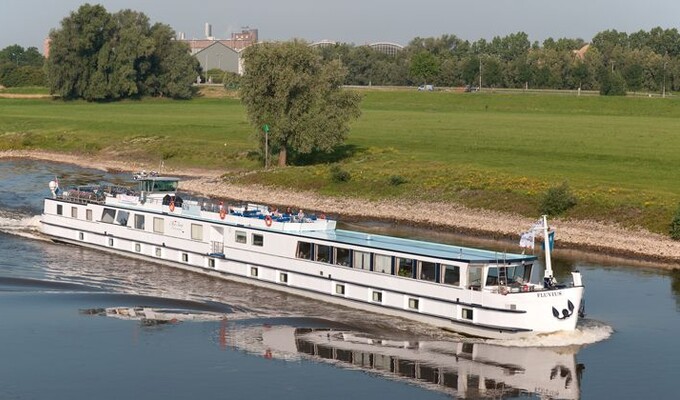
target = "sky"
x: 28, y: 22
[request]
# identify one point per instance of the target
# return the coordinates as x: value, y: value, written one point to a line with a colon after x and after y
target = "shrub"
x: 675, y: 226
x: 396, y: 180
x: 340, y: 175
x: 557, y: 200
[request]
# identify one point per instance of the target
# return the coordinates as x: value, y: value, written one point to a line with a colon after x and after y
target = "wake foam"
x: 20, y: 224
x: 587, y: 332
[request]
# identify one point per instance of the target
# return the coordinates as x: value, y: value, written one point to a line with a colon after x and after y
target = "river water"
x: 80, y: 324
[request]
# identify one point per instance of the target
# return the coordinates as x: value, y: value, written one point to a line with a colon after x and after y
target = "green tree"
x: 289, y: 88
x: 95, y: 55
x: 424, y: 67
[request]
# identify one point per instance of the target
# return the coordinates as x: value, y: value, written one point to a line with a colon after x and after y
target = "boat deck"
x: 420, y: 248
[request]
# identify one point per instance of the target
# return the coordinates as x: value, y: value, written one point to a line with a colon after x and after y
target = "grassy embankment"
x: 498, y: 151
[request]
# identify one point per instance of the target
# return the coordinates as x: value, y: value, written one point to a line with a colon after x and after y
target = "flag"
x: 538, y: 225
x: 551, y: 240
x: 527, y: 240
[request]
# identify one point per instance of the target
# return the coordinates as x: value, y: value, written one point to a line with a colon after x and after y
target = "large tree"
x: 287, y: 87
x: 100, y: 56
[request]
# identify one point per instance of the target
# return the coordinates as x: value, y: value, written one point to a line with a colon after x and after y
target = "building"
x: 238, y: 40
x: 218, y: 56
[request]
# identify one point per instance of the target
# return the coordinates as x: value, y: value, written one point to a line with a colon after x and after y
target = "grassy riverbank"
x: 495, y: 151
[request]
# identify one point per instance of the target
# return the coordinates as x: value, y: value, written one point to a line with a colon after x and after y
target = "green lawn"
x: 499, y: 151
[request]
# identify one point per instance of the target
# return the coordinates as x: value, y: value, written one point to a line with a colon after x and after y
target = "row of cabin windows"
x: 401, y: 266
x: 121, y: 217
x: 74, y: 212
x: 256, y: 238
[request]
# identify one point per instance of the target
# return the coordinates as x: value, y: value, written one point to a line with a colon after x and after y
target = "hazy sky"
x: 27, y: 22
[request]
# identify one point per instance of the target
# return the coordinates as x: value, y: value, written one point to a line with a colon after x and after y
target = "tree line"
x: 21, y: 67
x: 614, y: 62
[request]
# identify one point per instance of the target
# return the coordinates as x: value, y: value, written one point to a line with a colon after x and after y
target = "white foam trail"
x: 586, y: 332
x: 21, y: 225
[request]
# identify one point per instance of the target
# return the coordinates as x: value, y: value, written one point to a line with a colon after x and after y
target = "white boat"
x: 470, y: 291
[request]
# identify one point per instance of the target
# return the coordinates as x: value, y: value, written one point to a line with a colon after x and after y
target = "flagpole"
x: 546, y: 240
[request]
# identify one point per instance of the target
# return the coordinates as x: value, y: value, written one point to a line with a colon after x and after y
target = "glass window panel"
x: 108, y: 215
x: 382, y: 264
x: 258, y: 240
x: 158, y: 225
x: 451, y: 275
x: 362, y: 260
x: 139, y: 221
x: 343, y: 257
x: 405, y: 267
x: 304, y: 250
x: 428, y: 271
x: 323, y: 253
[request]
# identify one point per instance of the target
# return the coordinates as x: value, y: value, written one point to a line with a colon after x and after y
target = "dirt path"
x: 584, y: 235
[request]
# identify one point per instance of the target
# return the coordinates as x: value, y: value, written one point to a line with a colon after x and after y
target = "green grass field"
x: 498, y: 151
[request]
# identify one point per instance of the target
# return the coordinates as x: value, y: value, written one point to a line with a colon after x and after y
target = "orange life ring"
x: 172, y: 205
x: 223, y: 212
x: 322, y: 216
x: 268, y: 220
x: 525, y: 288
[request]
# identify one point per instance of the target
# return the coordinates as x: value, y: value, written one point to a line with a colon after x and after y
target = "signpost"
x: 265, y: 128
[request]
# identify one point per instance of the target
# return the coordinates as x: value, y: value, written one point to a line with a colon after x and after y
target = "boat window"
x: 88, y: 215
x: 406, y: 267
x: 108, y: 214
x: 138, y: 247
x: 377, y: 297
x: 122, y: 217
x: 81, y: 236
x: 343, y: 257
x: 451, y: 275
x: 322, y: 253
x: 413, y: 303
x: 361, y: 260
x: 158, y: 252
x: 258, y: 240
x: 492, y: 277
x: 428, y: 271
x: 467, y: 313
x: 382, y: 264
x: 475, y: 276
x: 158, y: 225
x: 253, y: 271
x: 241, y: 237
x: 74, y: 212
x: 211, y: 263
x: 339, y: 288
x: 60, y: 210
x: 185, y: 257
x: 304, y: 250
x: 519, y: 274
x: 283, y: 277
x: 165, y: 186
x: 196, y: 232
x: 139, y: 221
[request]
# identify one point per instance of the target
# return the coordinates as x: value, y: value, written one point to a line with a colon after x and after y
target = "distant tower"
x: 181, y: 36
x: 208, y: 31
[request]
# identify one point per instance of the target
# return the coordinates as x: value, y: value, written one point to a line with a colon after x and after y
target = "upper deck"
x: 420, y: 248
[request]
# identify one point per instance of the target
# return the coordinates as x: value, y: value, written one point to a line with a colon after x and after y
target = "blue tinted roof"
x: 417, y: 247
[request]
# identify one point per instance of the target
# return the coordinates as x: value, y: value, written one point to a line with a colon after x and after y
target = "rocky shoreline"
x: 599, y: 237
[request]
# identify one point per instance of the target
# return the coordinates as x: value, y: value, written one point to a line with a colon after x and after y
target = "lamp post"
x: 480, y: 72
x: 663, y: 90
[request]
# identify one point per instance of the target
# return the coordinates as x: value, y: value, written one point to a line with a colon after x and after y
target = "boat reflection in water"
x: 462, y: 369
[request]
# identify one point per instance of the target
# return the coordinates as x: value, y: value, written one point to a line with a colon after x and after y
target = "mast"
x: 546, y: 240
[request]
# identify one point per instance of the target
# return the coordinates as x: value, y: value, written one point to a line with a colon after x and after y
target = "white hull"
x: 273, y: 264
